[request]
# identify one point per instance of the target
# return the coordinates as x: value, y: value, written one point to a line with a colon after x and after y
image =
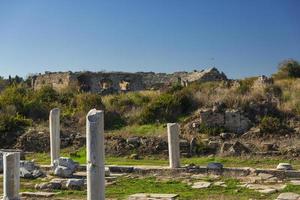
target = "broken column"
x: 95, y: 155
x: 11, y: 175
x: 173, y: 142
x: 54, y: 125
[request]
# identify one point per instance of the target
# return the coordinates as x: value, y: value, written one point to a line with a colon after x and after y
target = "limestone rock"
x: 63, y: 172
x: 28, y: 169
x: 215, y: 166
x: 65, y: 167
x: 50, y: 186
x: 201, y: 185
x: 284, y: 166
x: 288, y: 196
x: 75, y: 184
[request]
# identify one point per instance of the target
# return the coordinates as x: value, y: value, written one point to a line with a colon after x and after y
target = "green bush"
x: 270, y: 124
x: 288, y: 69
x: 273, y: 90
x: 245, y: 85
x: 211, y: 131
x: 167, y: 107
x: 88, y: 101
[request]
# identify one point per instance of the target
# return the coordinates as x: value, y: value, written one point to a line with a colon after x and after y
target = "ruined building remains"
x: 109, y: 82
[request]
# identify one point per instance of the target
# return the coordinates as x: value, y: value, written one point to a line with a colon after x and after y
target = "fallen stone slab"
x: 267, y: 191
x: 120, y: 169
x: 288, y: 196
x: 149, y: 196
x: 284, y: 166
x: 295, y: 182
x: 201, y: 185
x: 38, y: 194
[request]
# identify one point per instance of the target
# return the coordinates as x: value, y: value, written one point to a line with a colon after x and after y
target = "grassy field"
x: 125, y: 186
x: 256, y: 162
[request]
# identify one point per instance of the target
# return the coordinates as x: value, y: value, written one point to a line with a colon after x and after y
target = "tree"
x: 288, y: 69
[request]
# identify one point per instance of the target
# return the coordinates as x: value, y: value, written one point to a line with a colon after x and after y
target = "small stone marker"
x: 145, y: 196
x: 284, y: 166
x: 173, y: 143
x: 11, y: 175
x: 54, y: 126
x: 95, y: 155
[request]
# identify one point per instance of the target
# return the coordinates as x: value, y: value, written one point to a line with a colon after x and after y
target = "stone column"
x: 173, y: 143
x: 54, y: 125
x: 11, y: 175
x: 95, y: 155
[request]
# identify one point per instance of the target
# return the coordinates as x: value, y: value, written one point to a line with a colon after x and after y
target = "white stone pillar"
x: 173, y: 143
x: 11, y: 175
x: 54, y: 125
x: 95, y: 155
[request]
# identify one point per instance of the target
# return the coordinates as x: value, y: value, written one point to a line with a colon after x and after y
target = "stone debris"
x: 220, y: 183
x: 201, y: 185
x: 145, y: 196
x: 267, y: 191
x: 284, y: 166
x: 215, y: 166
x: 49, y: 186
x: 28, y: 169
x: 38, y: 194
x: 288, y: 196
x: 75, y: 184
x: 295, y: 182
x: 64, y: 167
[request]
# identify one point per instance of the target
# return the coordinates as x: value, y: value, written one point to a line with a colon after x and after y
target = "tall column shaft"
x: 54, y: 125
x: 173, y: 143
x: 95, y: 155
x: 11, y: 175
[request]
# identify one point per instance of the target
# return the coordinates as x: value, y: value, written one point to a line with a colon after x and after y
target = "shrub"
x: 273, y: 90
x: 88, y: 101
x: 46, y: 94
x: 270, y: 124
x: 245, y: 85
x: 288, y: 69
x: 167, y: 107
x: 211, y: 131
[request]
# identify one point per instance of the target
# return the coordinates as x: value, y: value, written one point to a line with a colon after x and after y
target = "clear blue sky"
x: 240, y: 37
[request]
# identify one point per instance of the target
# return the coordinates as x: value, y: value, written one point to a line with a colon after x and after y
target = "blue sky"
x: 240, y: 37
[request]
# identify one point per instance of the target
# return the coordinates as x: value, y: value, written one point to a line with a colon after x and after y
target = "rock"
x: 28, y: 169
x: 226, y: 136
x: 295, y: 182
x: 75, y: 184
x: 215, y: 166
x: 284, y: 166
x: 66, y: 162
x: 50, y: 186
x: 120, y: 169
x: 201, y: 185
x: 267, y: 191
x: 134, y: 141
x: 107, y: 172
x: 63, y: 172
x: 238, y: 149
x: 265, y: 176
x: 220, y: 183
x: 269, y: 147
x: 288, y: 196
x: 37, y: 194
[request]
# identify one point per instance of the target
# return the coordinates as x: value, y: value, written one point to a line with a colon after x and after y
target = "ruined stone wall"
x: 232, y: 120
x: 99, y: 82
x: 57, y: 80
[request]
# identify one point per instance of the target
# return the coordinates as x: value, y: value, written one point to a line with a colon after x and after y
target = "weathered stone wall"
x: 232, y: 120
x: 99, y: 82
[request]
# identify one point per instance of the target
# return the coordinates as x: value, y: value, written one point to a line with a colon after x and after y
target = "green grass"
x: 255, y: 162
x: 140, y: 130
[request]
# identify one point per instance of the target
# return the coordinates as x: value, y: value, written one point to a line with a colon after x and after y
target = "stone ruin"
x: 232, y: 120
x: 112, y: 82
